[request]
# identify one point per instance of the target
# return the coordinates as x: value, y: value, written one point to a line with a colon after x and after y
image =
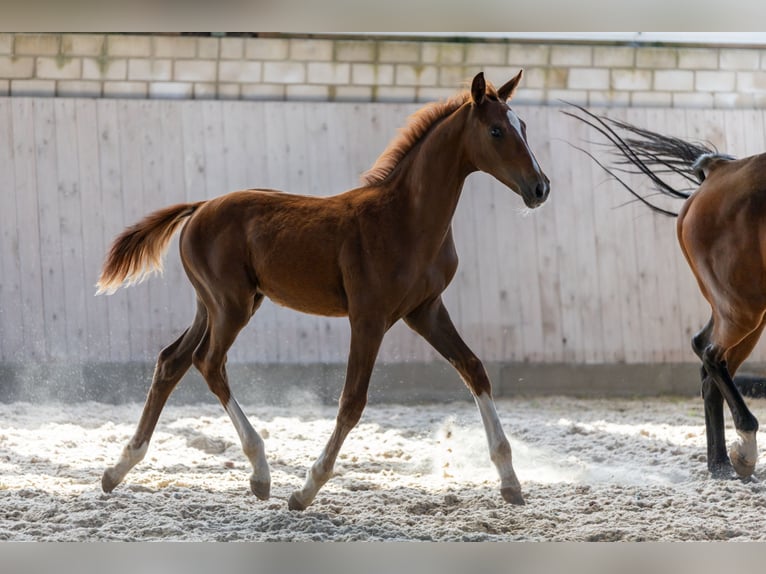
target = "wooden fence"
x: 585, y: 279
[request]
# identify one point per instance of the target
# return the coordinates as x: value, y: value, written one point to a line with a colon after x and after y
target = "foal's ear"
x: 478, y: 88
x: 509, y: 88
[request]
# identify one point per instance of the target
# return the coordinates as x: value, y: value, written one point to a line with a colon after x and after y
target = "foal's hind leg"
x: 732, y: 343
x: 226, y: 321
x: 433, y: 322
x: 717, y: 460
x: 365, y: 342
x: 172, y: 363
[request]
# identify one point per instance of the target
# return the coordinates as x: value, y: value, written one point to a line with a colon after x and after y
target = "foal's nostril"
x: 541, y: 190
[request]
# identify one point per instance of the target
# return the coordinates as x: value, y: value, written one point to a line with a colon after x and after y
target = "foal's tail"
x: 137, y: 252
x: 651, y: 154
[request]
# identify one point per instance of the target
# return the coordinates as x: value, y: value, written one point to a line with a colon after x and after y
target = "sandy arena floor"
x: 598, y: 470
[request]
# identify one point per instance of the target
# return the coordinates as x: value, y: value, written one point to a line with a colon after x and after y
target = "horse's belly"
x: 308, y: 300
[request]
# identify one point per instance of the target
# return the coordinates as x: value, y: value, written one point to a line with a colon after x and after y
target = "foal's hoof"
x: 512, y: 495
x: 108, y: 482
x: 722, y: 470
x: 294, y: 503
x: 260, y: 488
x: 742, y: 466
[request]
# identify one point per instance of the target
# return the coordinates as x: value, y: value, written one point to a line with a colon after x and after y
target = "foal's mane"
x: 417, y: 126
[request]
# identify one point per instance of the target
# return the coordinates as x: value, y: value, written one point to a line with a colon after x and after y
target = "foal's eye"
x: 496, y: 132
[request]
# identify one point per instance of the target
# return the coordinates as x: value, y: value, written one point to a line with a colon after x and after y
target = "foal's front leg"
x: 433, y: 323
x: 365, y: 342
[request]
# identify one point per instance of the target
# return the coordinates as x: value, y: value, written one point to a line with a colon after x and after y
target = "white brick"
x: 631, y: 80
x: 130, y: 46
x: 443, y: 53
x: 571, y: 55
x: 497, y: 75
x: 698, y: 58
x: 526, y: 96
x: 651, y: 99
x: 314, y: 50
x: 434, y: 94
x: 284, y: 72
x: 78, y: 89
x: 150, y: 70
x: 195, y: 70
x: 36, y: 45
x: 399, y: 52
x: 692, y: 100
x: 733, y: 100
x: 59, y: 68
x: 715, y: 81
x: 11, y: 68
x: 6, y: 44
x: 674, y: 80
x: 751, y: 82
x: 614, y: 56
x: 83, y: 44
x: 175, y: 47
x: 486, y: 54
x: 240, y: 71
x: 302, y: 92
x: 208, y: 48
x: 739, y: 59
x: 656, y: 57
x: 205, y: 91
x: 372, y: 74
x: 329, y: 73
x: 579, y: 97
x: 266, y: 49
x: 104, y: 69
x: 524, y: 55
x: 263, y: 92
x: 33, y: 88
x: 355, y: 51
x: 407, y: 75
x: 454, y: 77
x: 609, y: 98
x: 228, y: 91
x: 5, y: 87
x: 232, y: 48
x: 170, y: 90
x: 125, y: 90
x: 395, y: 94
x: 555, y: 78
x: 588, y: 79
x: 353, y: 94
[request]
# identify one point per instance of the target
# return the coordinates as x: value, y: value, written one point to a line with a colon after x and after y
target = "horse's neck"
x: 434, y: 175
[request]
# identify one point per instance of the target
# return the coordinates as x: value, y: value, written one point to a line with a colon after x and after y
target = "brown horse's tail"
x: 137, y: 252
x: 651, y: 154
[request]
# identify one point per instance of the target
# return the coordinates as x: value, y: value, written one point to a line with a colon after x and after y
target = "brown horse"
x: 378, y: 253
x: 722, y: 233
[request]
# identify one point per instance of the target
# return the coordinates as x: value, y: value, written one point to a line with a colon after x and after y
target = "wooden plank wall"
x: 586, y: 279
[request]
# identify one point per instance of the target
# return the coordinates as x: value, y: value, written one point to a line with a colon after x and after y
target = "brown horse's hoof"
x: 294, y: 503
x: 107, y: 482
x: 743, y: 467
x: 722, y: 470
x: 260, y: 488
x: 512, y: 495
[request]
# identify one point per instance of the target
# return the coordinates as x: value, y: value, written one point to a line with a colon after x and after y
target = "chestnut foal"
x: 378, y: 253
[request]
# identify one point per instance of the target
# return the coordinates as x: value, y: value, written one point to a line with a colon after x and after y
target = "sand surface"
x: 598, y: 470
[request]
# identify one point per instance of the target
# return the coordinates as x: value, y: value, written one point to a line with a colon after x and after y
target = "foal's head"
x: 497, y: 142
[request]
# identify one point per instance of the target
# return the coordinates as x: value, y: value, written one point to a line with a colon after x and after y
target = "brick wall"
x: 345, y: 69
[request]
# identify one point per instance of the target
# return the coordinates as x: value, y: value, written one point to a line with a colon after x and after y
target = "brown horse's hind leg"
x: 717, y: 459
x: 721, y: 359
x: 172, y: 363
x: 226, y: 321
x: 365, y: 341
x: 433, y: 323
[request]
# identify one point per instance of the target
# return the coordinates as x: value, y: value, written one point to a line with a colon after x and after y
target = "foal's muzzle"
x: 537, y: 193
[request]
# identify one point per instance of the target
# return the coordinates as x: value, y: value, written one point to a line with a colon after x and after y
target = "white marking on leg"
x: 252, y: 443
x: 744, y: 453
x: 499, y: 447
x: 128, y: 459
